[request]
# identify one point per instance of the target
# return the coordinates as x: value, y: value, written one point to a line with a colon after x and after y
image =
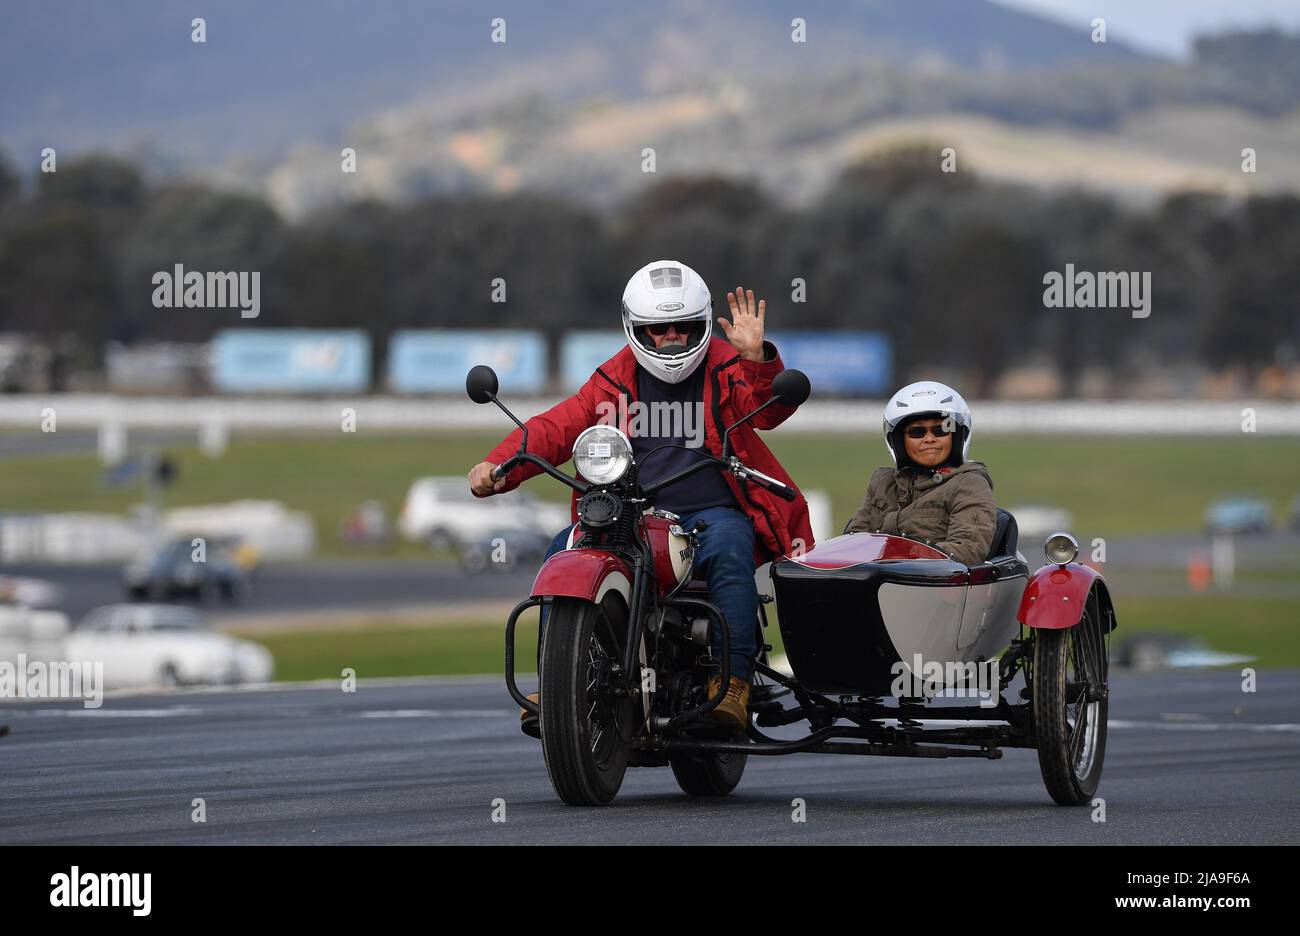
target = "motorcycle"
x: 885, y: 637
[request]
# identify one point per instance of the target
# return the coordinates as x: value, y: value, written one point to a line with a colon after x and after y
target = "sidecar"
x: 904, y: 652
x: 860, y: 610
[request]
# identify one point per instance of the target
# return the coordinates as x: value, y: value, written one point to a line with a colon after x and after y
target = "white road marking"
x: 120, y: 713
x: 436, y: 713
x: 1205, y: 726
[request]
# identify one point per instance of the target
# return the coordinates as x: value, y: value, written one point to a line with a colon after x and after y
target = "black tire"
x: 1071, y: 736
x: 168, y: 676
x: 473, y: 560
x: 235, y: 591
x: 585, y: 731
x: 207, y: 592
x: 708, y: 774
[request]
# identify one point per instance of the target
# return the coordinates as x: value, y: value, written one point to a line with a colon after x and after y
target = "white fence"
x: 217, y: 415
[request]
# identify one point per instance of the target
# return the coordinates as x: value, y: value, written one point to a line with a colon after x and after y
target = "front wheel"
x: 587, y: 722
x: 1070, y: 707
x: 708, y: 774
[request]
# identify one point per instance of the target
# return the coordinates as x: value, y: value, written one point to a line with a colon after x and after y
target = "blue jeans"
x: 725, y: 559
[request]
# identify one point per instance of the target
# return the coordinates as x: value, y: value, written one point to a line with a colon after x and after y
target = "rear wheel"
x: 708, y: 774
x: 587, y: 723
x: 1070, y: 706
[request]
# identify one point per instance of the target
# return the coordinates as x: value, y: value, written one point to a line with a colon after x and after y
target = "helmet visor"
x: 672, y: 338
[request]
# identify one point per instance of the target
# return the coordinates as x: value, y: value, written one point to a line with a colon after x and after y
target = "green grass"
x: 1266, y: 628
x: 444, y: 650
x: 1114, y: 487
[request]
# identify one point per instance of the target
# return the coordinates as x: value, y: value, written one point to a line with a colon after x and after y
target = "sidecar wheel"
x: 1070, y: 729
x: 585, y: 728
x: 708, y: 775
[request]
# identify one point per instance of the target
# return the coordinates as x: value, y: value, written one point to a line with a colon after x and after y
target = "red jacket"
x: 732, y: 388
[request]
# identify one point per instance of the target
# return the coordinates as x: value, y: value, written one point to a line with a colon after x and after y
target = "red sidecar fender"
x: 582, y: 573
x: 1055, y: 596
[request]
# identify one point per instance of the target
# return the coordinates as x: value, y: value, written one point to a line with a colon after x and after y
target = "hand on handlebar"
x: 483, y: 480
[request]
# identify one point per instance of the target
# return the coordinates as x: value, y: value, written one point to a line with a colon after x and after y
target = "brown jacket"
x: 952, y: 509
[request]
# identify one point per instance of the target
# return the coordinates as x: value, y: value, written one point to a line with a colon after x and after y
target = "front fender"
x: 1055, y: 596
x: 583, y: 573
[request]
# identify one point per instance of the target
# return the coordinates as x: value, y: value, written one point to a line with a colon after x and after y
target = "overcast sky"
x: 1167, y: 26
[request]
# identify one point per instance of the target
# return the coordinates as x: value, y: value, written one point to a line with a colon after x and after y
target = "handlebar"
x: 781, y: 490
x: 732, y: 464
x: 736, y: 467
x: 501, y: 470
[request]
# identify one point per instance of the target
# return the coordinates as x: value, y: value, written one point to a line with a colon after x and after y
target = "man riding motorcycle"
x: 672, y: 363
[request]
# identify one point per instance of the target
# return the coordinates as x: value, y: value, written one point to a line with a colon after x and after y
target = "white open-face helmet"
x: 659, y: 293
x: 935, y: 400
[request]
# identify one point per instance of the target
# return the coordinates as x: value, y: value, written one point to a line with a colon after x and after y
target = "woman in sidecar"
x: 933, y: 493
x: 928, y: 591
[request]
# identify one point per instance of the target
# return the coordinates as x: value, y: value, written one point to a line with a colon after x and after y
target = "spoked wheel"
x: 1070, y: 706
x: 587, y: 726
x: 708, y: 774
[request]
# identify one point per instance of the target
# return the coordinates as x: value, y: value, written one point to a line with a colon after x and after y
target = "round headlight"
x: 602, y: 454
x: 1061, y: 548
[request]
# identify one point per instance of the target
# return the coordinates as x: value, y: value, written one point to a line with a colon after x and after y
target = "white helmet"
x: 662, y: 292
x: 927, y: 398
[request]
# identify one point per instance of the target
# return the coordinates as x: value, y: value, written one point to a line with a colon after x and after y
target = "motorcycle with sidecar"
x: 893, y: 648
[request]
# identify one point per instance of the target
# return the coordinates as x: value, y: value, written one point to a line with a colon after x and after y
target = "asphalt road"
x: 1190, y: 759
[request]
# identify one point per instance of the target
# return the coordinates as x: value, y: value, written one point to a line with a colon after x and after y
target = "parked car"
x: 159, y: 644
x: 503, y: 550
x: 443, y: 512
x: 242, y: 553
x: 170, y: 570
x: 1239, y: 513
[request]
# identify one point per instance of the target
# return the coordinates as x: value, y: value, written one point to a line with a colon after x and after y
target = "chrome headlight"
x: 602, y: 454
x: 1061, y: 548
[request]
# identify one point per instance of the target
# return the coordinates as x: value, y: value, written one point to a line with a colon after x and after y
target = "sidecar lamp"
x: 602, y: 454
x: 1061, y: 548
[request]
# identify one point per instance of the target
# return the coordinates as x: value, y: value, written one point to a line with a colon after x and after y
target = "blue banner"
x: 292, y: 360
x: 839, y: 363
x: 581, y: 352
x: 437, y: 359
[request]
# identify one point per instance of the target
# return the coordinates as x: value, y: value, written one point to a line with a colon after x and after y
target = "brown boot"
x: 529, y: 723
x: 732, y: 712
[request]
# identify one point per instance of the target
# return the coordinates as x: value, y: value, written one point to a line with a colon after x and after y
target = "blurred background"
x: 421, y: 187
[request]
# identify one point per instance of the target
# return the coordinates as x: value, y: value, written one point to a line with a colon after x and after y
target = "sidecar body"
x: 861, y: 609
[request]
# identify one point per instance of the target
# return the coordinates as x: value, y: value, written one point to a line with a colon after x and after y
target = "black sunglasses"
x: 919, y: 432
x: 659, y: 329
